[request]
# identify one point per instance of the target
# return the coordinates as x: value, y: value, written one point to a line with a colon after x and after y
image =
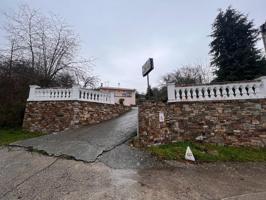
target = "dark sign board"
x: 147, y: 67
x: 263, y: 28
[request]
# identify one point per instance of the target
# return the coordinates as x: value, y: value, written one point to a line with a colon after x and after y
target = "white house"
x: 128, y: 96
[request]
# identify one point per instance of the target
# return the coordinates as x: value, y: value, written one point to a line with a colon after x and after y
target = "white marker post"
x: 189, y: 155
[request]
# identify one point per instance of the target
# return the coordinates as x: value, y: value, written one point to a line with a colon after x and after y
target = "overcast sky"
x: 122, y: 34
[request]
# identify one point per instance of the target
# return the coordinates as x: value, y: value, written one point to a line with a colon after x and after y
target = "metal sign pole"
x: 148, y: 81
x: 146, y: 69
x: 263, y: 33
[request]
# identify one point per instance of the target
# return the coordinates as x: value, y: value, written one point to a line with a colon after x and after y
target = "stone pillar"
x: 263, y: 88
x: 171, y: 92
x: 32, y: 96
x: 75, y: 92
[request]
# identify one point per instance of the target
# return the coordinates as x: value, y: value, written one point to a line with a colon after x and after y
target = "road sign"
x: 147, y: 67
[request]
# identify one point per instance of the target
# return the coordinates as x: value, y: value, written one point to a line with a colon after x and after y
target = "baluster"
x: 227, y: 93
x: 254, y: 90
x: 241, y: 90
x: 237, y: 92
x: 176, y: 95
x: 245, y: 91
x: 203, y: 93
x: 192, y: 94
x: 180, y: 93
x: 199, y: 94
x: 54, y: 96
x: 186, y: 95
x: 196, y: 94
x: 210, y: 93
x: 215, y: 93
x: 230, y: 91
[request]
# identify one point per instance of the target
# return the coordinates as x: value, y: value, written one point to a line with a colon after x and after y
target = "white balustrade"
x: 228, y: 91
x: 65, y: 94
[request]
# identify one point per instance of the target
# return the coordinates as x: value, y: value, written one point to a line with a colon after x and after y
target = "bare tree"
x: 47, y: 43
x: 197, y: 74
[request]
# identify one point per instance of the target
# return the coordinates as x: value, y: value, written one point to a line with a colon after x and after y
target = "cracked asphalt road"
x: 113, y: 170
x: 28, y: 175
x: 102, y: 142
x: 86, y: 143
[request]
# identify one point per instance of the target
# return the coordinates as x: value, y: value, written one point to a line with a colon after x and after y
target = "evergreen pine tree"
x: 233, y: 48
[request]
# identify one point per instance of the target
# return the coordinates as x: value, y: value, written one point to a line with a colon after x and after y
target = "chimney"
x: 263, y: 33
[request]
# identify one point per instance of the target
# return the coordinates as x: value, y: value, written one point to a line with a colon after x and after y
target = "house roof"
x: 116, y: 88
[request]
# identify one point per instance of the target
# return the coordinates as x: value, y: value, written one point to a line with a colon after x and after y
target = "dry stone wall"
x: 236, y: 122
x: 55, y: 116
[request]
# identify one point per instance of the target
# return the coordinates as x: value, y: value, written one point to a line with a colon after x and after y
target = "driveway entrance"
x: 102, y: 142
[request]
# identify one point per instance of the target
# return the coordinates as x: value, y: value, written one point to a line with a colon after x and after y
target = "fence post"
x: 32, y: 96
x: 171, y: 92
x: 75, y: 92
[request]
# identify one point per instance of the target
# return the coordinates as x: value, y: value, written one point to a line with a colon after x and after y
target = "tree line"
x: 40, y: 49
x: 234, y: 55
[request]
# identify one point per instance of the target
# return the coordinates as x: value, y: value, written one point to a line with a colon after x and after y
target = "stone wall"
x: 236, y: 122
x: 54, y: 116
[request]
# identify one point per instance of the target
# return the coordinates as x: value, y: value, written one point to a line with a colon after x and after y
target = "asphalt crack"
x: 28, y: 178
x: 113, y: 147
x: 72, y: 157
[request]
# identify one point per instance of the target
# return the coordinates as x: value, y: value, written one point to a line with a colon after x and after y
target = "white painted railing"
x: 74, y: 93
x: 228, y: 91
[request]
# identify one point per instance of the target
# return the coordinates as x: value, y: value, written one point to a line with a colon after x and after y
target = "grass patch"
x: 8, y: 136
x: 208, y: 152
